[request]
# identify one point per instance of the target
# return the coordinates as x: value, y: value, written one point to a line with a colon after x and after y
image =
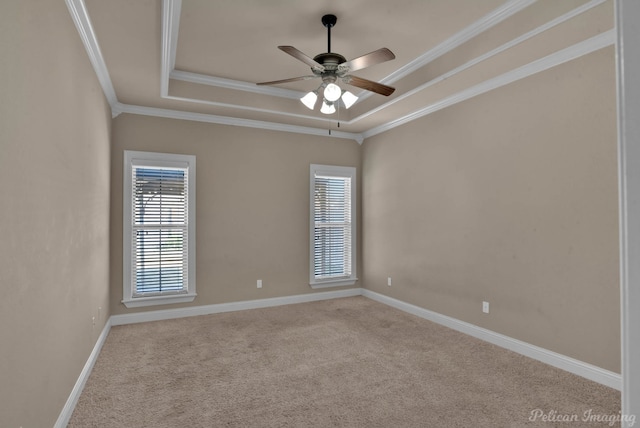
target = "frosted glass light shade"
x: 310, y: 99
x: 332, y: 92
x: 348, y: 99
x: 327, y: 108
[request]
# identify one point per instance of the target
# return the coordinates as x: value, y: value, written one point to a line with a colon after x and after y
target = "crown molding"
x: 80, y: 17
x: 170, y: 28
x: 536, y: 31
x: 238, y: 85
x: 478, y: 27
x: 170, y: 19
x: 171, y: 10
x: 324, y: 118
x: 234, y: 121
x: 575, y: 51
x: 572, y: 52
x: 483, y: 24
x: 170, y: 25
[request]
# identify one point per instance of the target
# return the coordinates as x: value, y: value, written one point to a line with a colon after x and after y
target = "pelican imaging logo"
x: 587, y: 417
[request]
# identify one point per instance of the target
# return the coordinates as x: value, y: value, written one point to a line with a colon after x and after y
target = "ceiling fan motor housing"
x: 330, y: 61
x: 329, y: 20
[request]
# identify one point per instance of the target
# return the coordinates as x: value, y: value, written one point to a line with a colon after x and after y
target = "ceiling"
x: 201, y: 59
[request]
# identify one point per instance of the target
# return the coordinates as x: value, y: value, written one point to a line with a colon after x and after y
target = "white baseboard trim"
x: 588, y: 371
x: 191, y: 311
x: 70, y: 405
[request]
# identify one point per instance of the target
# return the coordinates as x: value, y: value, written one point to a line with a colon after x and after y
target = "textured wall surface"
x: 252, y: 204
x: 511, y: 198
x: 54, y: 182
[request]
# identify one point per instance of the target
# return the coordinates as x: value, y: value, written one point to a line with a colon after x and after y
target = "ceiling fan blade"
x: 302, y: 57
x: 372, y: 58
x: 369, y: 85
x: 293, y: 79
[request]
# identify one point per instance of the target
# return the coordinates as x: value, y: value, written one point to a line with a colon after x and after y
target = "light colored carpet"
x: 348, y: 362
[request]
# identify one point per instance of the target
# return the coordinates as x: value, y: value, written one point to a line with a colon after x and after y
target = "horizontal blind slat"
x: 159, y: 230
x: 332, y: 235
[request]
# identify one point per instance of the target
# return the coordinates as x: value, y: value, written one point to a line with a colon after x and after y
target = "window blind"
x: 159, y: 229
x: 332, y: 230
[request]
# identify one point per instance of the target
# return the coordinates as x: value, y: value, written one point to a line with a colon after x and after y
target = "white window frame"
x: 158, y: 160
x: 338, y: 172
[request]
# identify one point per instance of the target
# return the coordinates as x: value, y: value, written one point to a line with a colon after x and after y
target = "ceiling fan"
x: 330, y: 67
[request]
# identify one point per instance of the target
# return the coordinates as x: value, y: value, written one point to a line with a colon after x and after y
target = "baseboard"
x: 191, y: 311
x: 70, y: 405
x: 588, y: 371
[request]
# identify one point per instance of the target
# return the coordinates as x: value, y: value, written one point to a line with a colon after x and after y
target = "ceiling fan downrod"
x: 329, y: 21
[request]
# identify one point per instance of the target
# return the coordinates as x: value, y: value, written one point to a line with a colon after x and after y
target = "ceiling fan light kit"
x: 310, y: 99
x: 332, y: 92
x: 332, y: 66
x: 327, y: 107
x: 348, y: 99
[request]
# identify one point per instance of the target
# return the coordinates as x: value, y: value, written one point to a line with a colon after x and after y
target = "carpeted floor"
x: 348, y: 362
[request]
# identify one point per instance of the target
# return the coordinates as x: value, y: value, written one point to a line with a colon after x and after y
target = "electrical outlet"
x: 259, y: 284
x: 389, y: 281
x: 485, y: 307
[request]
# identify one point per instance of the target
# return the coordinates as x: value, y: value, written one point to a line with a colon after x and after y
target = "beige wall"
x: 54, y: 184
x: 510, y: 197
x: 252, y: 204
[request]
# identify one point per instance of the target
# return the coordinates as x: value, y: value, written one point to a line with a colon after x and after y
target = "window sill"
x: 333, y: 283
x: 137, y: 302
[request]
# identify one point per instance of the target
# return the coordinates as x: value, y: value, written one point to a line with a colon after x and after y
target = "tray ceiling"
x: 201, y: 60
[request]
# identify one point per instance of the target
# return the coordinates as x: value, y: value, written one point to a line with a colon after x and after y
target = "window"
x: 333, y: 228
x: 158, y: 228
